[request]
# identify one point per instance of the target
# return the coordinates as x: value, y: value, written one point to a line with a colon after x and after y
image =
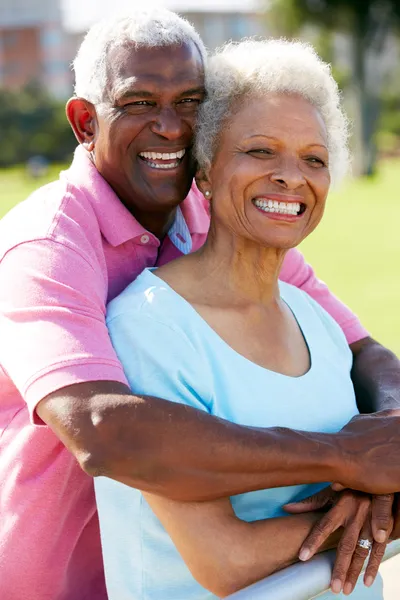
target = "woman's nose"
x: 288, y: 175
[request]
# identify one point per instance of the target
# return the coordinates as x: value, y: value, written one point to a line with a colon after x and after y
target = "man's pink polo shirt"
x: 64, y: 253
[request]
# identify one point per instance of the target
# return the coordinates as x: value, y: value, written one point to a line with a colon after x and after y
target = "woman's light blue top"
x: 170, y: 352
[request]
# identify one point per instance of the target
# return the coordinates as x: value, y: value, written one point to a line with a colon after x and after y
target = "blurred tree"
x: 33, y: 123
x: 369, y: 24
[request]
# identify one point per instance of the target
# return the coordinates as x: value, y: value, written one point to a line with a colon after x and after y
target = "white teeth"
x: 163, y: 155
x: 158, y: 166
x: 273, y: 206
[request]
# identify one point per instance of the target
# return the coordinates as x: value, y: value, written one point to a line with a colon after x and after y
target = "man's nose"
x: 168, y: 124
x: 288, y: 174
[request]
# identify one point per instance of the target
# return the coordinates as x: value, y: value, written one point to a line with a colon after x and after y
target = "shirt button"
x: 144, y: 239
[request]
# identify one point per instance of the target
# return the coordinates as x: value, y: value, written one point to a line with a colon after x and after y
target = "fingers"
x: 348, y: 545
x: 314, y: 502
x: 358, y: 559
x: 395, y: 535
x: 377, y: 553
x: 320, y: 532
x: 382, y: 520
x: 345, y: 552
x: 338, y: 487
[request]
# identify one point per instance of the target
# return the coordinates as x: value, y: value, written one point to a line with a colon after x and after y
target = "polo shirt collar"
x: 117, y: 224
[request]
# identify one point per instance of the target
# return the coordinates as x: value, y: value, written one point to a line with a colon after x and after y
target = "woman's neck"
x: 240, y: 268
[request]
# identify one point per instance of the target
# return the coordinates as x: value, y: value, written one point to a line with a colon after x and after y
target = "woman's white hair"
x: 255, y: 67
x: 140, y: 28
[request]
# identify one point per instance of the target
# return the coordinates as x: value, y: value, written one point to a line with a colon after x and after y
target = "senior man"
x: 66, y: 414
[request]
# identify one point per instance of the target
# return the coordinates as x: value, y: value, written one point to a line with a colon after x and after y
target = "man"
x: 127, y: 203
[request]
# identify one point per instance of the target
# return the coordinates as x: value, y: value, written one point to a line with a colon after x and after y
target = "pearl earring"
x: 207, y: 194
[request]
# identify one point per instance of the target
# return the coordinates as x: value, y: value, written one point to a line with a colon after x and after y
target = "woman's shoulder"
x: 150, y: 296
x: 312, y: 317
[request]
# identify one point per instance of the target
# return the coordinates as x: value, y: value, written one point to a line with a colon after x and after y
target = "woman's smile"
x: 280, y: 206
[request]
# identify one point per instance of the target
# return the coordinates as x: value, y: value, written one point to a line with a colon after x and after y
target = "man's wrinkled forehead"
x: 160, y: 67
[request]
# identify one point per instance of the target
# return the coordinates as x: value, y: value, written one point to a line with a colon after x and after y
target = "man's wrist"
x: 309, y: 457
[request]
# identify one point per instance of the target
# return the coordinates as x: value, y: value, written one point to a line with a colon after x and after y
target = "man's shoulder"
x: 57, y: 212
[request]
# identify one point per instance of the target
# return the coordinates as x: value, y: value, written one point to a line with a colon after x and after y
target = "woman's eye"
x: 261, y: 151
x: 315, y: 161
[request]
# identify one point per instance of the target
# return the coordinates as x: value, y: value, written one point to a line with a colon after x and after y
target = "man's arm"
x: 376, y: 376
x: 152, y: 444
x: 54, y: 337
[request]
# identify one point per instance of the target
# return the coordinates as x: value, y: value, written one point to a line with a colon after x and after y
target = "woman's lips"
x: 285, y: 208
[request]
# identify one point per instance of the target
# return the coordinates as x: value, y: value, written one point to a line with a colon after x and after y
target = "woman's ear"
x: 81, y: 115
x: 203, y: 182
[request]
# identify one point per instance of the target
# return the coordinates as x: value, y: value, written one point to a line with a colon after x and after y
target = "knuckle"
x: 354, y: 571
x: 382, y: 506
x: 322, y: 528
x: 385, y: 498
x: 360, y: 554
x: 347, y: 545
x: 378, y: 553
x: 339, y: 572
x: 365, y: 503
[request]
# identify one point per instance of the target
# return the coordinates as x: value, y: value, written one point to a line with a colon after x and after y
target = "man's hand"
x: 351, y: 511
x: 395, y: 535
x: 371, y: 451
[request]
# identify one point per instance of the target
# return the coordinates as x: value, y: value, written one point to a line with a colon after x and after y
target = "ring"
x: 365, y: 544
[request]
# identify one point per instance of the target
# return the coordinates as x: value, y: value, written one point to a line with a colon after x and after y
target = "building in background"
x: 39, y: 38
x: 34, y: 46
x: 216, y: 20
x: 222, y: 20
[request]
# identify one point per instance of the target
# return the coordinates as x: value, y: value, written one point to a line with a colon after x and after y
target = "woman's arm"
x: 226, y: 554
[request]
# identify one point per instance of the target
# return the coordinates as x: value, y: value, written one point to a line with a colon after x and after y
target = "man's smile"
x: 163, y: 160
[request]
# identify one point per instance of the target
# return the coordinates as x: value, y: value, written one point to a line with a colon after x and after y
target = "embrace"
x: 164, y: 336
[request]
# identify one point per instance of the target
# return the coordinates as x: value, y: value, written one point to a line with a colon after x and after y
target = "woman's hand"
x: 351, y: 511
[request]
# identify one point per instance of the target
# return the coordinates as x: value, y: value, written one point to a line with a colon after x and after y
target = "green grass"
x: 356, y: 249
x: 16, y: 185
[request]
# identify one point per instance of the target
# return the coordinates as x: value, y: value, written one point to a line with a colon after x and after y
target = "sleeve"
x: 52, y: 321
x: 160, y: 360
x: 298, y: 272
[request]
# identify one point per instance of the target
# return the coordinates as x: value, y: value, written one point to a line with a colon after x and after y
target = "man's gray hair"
x: 141, y: 28
x: 255, y: 67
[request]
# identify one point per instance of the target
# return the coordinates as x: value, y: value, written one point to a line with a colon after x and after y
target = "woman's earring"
x: 207, y: 193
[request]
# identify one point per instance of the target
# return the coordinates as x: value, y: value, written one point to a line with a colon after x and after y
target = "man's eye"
x: 139, y: 103
x: 189, y: 101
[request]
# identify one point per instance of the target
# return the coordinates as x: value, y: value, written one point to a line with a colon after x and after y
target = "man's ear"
x: 203, y: 182
x: 81, y: 115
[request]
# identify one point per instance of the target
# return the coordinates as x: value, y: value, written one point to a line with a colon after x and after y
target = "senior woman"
x: 216, y: 330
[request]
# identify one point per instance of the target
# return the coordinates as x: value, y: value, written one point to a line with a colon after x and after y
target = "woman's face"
x: 270, y: 177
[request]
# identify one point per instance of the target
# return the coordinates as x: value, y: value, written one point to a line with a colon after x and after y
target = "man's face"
x: 145, y: 130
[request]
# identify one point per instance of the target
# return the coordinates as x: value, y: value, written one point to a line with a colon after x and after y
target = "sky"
x: 80, y: 14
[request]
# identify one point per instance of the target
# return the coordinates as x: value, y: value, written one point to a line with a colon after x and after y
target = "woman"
x: 217, y: 331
